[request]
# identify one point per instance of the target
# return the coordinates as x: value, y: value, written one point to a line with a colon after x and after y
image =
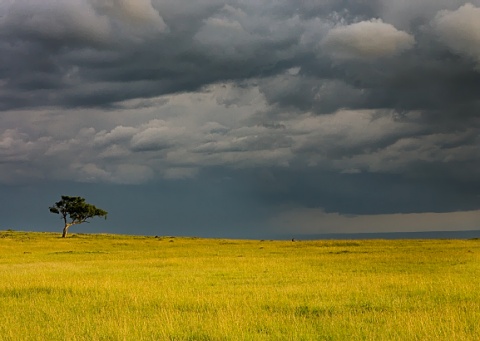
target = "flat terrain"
x: 114, y: 287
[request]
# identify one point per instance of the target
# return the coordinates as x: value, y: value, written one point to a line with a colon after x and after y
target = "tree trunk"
x: 65, y: 230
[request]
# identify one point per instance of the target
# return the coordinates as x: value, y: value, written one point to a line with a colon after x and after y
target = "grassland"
x: 113, y: 287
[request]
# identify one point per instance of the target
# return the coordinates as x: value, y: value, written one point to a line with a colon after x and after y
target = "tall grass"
x: 113, y: 287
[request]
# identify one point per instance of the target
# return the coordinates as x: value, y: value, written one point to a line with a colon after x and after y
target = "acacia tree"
x: 74, y: 210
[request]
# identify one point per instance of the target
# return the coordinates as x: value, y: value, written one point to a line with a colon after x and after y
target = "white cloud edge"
x: 366, y: 40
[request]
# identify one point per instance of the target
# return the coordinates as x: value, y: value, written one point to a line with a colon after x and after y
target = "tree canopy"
x: 75, y: 210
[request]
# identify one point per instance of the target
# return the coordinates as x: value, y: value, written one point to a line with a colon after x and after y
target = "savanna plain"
x: 117, y: 287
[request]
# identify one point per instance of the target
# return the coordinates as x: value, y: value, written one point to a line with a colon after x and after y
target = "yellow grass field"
x: 115, y: 287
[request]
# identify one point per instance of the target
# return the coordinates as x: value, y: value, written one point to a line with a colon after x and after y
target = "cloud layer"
x: 351, y: 107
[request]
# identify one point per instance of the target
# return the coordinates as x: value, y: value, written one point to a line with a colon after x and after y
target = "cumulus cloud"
x: 90, y: 172
x: 366, y: 40
x: 139, y: 15
x: 460, y: 30
x: 139, y: 11
x: 225, y: 33
x: 79, y: 23
x: 15, y: 146
x: 116, y: 135
x: 307, y: 93
x: 155, y: 135
x: 54, y: 21
x: 412, y: 14
x: 236, y: 35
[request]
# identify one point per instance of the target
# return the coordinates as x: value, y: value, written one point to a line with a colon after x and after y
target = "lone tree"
x: 74, y: 210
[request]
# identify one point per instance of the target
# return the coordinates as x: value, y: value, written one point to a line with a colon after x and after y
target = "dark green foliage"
x: 77, y: 210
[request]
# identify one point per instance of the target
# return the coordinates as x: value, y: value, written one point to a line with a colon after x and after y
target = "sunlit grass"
x: 112, y: 287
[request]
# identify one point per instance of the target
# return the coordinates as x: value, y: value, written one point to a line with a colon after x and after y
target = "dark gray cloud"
x: 91, y: 53
x: 355, y: 107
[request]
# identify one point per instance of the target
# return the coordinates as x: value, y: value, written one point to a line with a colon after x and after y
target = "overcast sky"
x: 241, y: 118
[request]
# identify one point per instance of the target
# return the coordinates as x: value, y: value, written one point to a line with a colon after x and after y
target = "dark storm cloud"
x: 179, y: 48
x: 93, y: 53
